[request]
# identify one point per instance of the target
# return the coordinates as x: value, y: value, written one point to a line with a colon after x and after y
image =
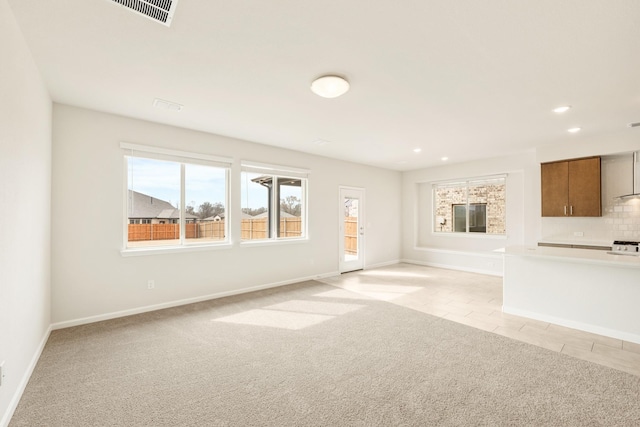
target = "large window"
x: 470, y: 206
x: 174, y: 199
x: 274, y: 201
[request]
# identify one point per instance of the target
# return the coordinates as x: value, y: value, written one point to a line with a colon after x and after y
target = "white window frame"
x: 183, y: 158
x: 280, y: 172
x: 466, y: 182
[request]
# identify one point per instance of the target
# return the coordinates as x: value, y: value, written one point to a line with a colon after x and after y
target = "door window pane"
x: 351, y: 227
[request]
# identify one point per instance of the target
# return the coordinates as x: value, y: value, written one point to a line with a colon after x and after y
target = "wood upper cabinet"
x: 571, y: 188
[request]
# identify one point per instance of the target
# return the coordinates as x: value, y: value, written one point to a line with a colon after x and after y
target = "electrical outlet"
x: 1, y: 372
x: 151, y: 284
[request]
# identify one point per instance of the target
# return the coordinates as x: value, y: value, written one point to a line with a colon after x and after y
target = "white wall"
x: 625, y: 140
x: 91, y: 279
x: 25, y: 172
x: 470, y: 252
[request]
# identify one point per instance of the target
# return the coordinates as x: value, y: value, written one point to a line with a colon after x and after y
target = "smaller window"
x: 273, y: 203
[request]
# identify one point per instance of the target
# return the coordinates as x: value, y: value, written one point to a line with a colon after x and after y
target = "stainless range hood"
x: 636, y: 177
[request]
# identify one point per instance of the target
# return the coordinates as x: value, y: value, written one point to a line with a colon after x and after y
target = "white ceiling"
x: 466, y: 79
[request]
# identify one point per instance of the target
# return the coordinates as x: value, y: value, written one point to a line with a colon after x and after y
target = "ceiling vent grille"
x: 158, y: 10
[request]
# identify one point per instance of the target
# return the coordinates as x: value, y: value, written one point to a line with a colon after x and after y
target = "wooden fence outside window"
x: 252, y: 229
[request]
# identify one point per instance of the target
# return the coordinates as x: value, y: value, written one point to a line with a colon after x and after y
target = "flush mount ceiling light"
x: 417, y: 150
x: 574, y: 130
x: 329, y: 86
x: 444, y: 159
x: 562, y: 109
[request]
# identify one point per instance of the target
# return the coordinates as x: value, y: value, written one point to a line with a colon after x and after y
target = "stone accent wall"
x: 493, y: 194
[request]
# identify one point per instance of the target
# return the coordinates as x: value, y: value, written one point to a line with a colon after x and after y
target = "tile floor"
x: 476, y: 300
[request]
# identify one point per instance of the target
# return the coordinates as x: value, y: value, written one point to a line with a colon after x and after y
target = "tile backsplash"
x: 623, y: 219
x: 620, y: 221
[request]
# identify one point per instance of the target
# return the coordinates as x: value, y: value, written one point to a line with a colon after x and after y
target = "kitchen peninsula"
x: 584, y: 289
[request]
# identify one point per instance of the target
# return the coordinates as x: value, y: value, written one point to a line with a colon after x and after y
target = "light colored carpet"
x: 312, y: 355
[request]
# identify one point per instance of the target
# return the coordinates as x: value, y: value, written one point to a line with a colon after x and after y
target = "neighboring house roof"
x: 169, y: 214
x: 145, y: 206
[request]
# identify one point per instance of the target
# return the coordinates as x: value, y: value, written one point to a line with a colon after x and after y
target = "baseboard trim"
x: 13, y: 403
x: 453, y: 267
x: 382, y: 264
x: 613, y: 333
x: 484, y: 254
x: 176, y: 303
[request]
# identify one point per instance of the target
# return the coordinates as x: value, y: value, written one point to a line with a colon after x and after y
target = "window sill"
x: 271, y: 242
x: 173, y: 249
x: 471, y: 235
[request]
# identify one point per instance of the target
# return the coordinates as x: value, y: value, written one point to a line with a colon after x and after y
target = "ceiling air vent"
x: 158, y: 10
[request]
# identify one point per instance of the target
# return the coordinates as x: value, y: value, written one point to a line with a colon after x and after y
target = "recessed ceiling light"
x: 417, y: 150
x: 329, y: 86
x: 444, y: 159
x: 562, y: 109
x: 574, y: 130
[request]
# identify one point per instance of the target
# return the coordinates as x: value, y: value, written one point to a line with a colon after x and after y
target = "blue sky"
x: 161, y: 179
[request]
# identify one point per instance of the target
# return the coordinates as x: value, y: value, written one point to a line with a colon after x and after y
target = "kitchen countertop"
x: 588, y: 256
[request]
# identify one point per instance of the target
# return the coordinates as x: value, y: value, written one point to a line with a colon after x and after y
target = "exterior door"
x: 351, y: 228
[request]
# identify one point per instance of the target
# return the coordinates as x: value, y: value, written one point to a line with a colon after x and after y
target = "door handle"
x: 571, y: 210
x: 565, y: 210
